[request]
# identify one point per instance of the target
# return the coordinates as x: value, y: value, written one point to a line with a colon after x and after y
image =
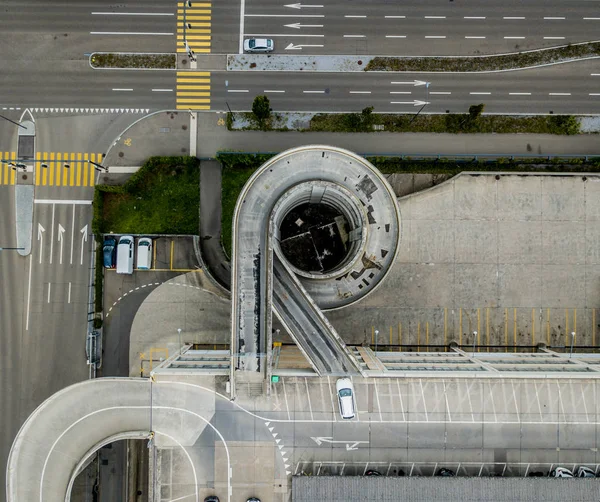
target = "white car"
x: 258, y: 45
x: 585, y: 472
x: 144, y: 253
x: 561, y: 472
x: 345, y: 393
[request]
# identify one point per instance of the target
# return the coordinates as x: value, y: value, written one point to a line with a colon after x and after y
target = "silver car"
x: 585, y: 472
x: 258, y: 45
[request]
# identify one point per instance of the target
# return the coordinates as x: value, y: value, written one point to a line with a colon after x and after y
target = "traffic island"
x: 133, y: 61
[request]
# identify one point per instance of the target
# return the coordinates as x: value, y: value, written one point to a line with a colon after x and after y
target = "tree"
x: 261, y: 109
x: 475, y: 111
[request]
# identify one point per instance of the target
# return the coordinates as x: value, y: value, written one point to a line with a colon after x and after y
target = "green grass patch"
x: 486, y: 63
x: 453, y: 123
x: 141, y: 61
x: 162, y: 197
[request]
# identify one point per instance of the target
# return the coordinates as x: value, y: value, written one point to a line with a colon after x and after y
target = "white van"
x: 125, y: 255
x: 144, y: 253
x: 345, y: 392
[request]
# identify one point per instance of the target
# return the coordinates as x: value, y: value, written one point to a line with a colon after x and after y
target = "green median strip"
x: 525, y: 59
x: 141, y: 61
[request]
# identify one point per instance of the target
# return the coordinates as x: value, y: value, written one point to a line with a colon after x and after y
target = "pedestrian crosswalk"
x: 193, y: 27
x: 66, y: 169
x: 193, y: 90
x: 7, y: 173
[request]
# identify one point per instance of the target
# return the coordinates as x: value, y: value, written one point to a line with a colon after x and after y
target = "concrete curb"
x: 24, y: 217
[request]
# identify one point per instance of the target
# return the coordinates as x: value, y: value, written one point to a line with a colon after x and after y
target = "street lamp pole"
x: 572, y: 342
x: 179, y: 335
x: 474, y: 340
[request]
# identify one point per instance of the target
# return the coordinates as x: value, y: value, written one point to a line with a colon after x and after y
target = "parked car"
x: 125, y: 255
x: 109, y: 252
x: 372, y: 473
x: 258, y: 45
x: 585, y: 472
x: 211, y: 498
x: 445, y: 472
x: 345, y: 393
x: 561, y: 472
x: 144, y: 253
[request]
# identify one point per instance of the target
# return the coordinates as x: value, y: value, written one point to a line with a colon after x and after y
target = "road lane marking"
x: 355, y: 36
x: 129, y: 33
x: 28, y: 295
x: 446, y: 398
x: 309, y: 403
x: 400, y: 92
x: 474, y: 17
x: 594, y: 94
x: 378, y: 403
x: 595, y: 74
x: 69, y: 294
x: 238, y: 90
x: 423, y: 396
x: 591, y: 18
x: 435, y: 36
x: 514, y: 38
x: 61, y: 201
x: 313, y: 92
x: 284, y: 15
x: 519, y: 94
x: 271, y: 35
x: 360, y: 92
x: 355, y: 17
x: 513, y: 17
x: 395, y: 36
x: 333, y: 405
x: 440, y: 92
x: 287, y: 407
x: 559, y: 94
x: 480, y: 93
x: 162, y: 90
x: 554, y: 38
x: 394, y: 17
x: 434, y: 17
x: 125, y: 90
x: 553, y: 18
x: 472, y: 37
x: 272, y: 90
x: 132, y: 14
x: 72, y: 234
x: 52, y: 238
x: 49, y: 288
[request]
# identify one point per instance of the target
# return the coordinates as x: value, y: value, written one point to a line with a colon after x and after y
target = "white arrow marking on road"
x: 350, y: 445
x: 298, y: 26
x: 299, y: 47
x: 41, y: 231
x: 61, y: 231
x: 302, y: 6
x: 84, y: 238
x: 416, y: 102
x: 416, y: 83
x: 72, y: 234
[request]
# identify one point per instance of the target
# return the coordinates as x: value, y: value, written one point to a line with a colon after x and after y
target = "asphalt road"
x: 568, y: 88
x: 420, y: 28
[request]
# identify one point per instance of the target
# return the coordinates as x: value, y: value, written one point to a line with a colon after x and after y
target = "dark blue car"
x: 109, y: 251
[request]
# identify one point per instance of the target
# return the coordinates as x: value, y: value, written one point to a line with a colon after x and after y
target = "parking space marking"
x: 391, y: 397
x: 332, y: 401
x: 286, y: 399
x: 401, y: 401
x: 378, y: 403
x: 493, y: 405
x: 515, y: 397
x: 423, y: 395
x: 537, y: 398
x: 562, y: 406
x: 448, y: 414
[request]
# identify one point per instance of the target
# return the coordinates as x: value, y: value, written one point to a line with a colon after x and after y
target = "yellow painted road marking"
x: 58, y: 167
x: 193, y: 73
x: 515, y: 329
x: 93, y: 158
x: 391, y: 330
x: 193, y: 80
x: 74, y: 167
x: 193, y: 100
x: 65, y: 169
x: 193, y: 87
x: 38, y: 174
x: 13, y: 172
x: 45, y: 170
x: 172, y: 246
x: 400, y: 334
x: 85, y: 169
x: 51, y: 168
x: 196, y: 37
x: 80, y: 167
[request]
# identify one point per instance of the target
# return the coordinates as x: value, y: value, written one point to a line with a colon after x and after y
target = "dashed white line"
x: 126, y: 90
x: 360, y: 92
x: 519, y: 94
x: 554, y: 38
x: 591, y: 18
x: 355, y: 36
x: 594, y: 94
x: 69, y: 294
x: 400, y: 92
x: 434, y: 17
x: 272, y: 90
x: 440, y: 92
x: 394, y: 17
x: 473, y: 37
x: 474, y: 17
x: 559, y: 94
x: 49, y: 288
x: 355, y: 17
x: 378, y: 403
x: 313, y: 92
x: 395, y: 36
x: 480, y: 93
x: 553, y: 18
x: 435, y: 36
x: 514, y: 38
x: 162, y: 90
x: 238, y: 90
x: 595, y: 74
x: 512, y: 18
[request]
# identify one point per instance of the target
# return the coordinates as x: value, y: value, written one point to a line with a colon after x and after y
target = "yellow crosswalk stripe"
x: 72, y: 170
x: 51, y: 168
x: 195, y: 4
x: 193, y: 74
x: 65, y: 169
x: 80, y: 167
x: 195, y: 37
x: 13, y: 172
x: 38, y: 166
x: 44, y: 169
x: 58, y: 168
x: 193, y: 87
x: 204, y: 94
x: 192, y: 80
x: 93, y: 159
x: 85, y: 169
x: 199, y: 100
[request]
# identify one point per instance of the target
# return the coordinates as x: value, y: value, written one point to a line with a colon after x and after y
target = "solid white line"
x: 162, y: 90
x: 72, y: 234
x: 519, y: 94
x: 52, y: 238
x: 129, y: 33
x: 559, y: 94
x: 481, y: 93
x: 132, y: 14
x: 440, y: 92
x: 333, y: 405
x: 473, y: 37
x: 272, y: 90
x: 60, y: 201
x: 286, y: 399
x: 435, y: 36
x: 309, y: 403
x: 238, y: 90
x: 122, y: 89
x: 69, y: 295
x: 49, y: 288
x: 313, y: 92
x: 423, y: 395
x: 242, y: 16
x: 401, y: 402
x: 355, y: 36
x: 554, y: 38
x: 360, y: 92
x: 592, y: 18
x: 595, y: 74
x: 28, y: 295
x: 400, y: 92
x: 395, y: 36
x: 446, y: 398
x: 434, y: 17
x: 271, y: 35
x: 550, y: 17
x: 394, y: 17
x: 514, y: 38
x: 594, y: 94
x: 513, y: 17
x: 378, y: 403
x: 284, y: 15
x: 355, y: 16
x: 474, y: 17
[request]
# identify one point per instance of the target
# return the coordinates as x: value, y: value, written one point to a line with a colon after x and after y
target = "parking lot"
x: 466, y: 401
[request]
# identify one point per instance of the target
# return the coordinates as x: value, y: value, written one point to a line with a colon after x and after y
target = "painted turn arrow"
x: 298, y: 26
x: 41, y: 231
x: 416, y: 102
x: 293, y: 47
x: 350, y: 445
x: 61, y: 231
x: 301, y: 6
x: 416, y: 83
x: 84, y: 238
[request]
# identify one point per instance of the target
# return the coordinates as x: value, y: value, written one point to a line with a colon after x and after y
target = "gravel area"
x: 590, y: 124
x: 287, y: 62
